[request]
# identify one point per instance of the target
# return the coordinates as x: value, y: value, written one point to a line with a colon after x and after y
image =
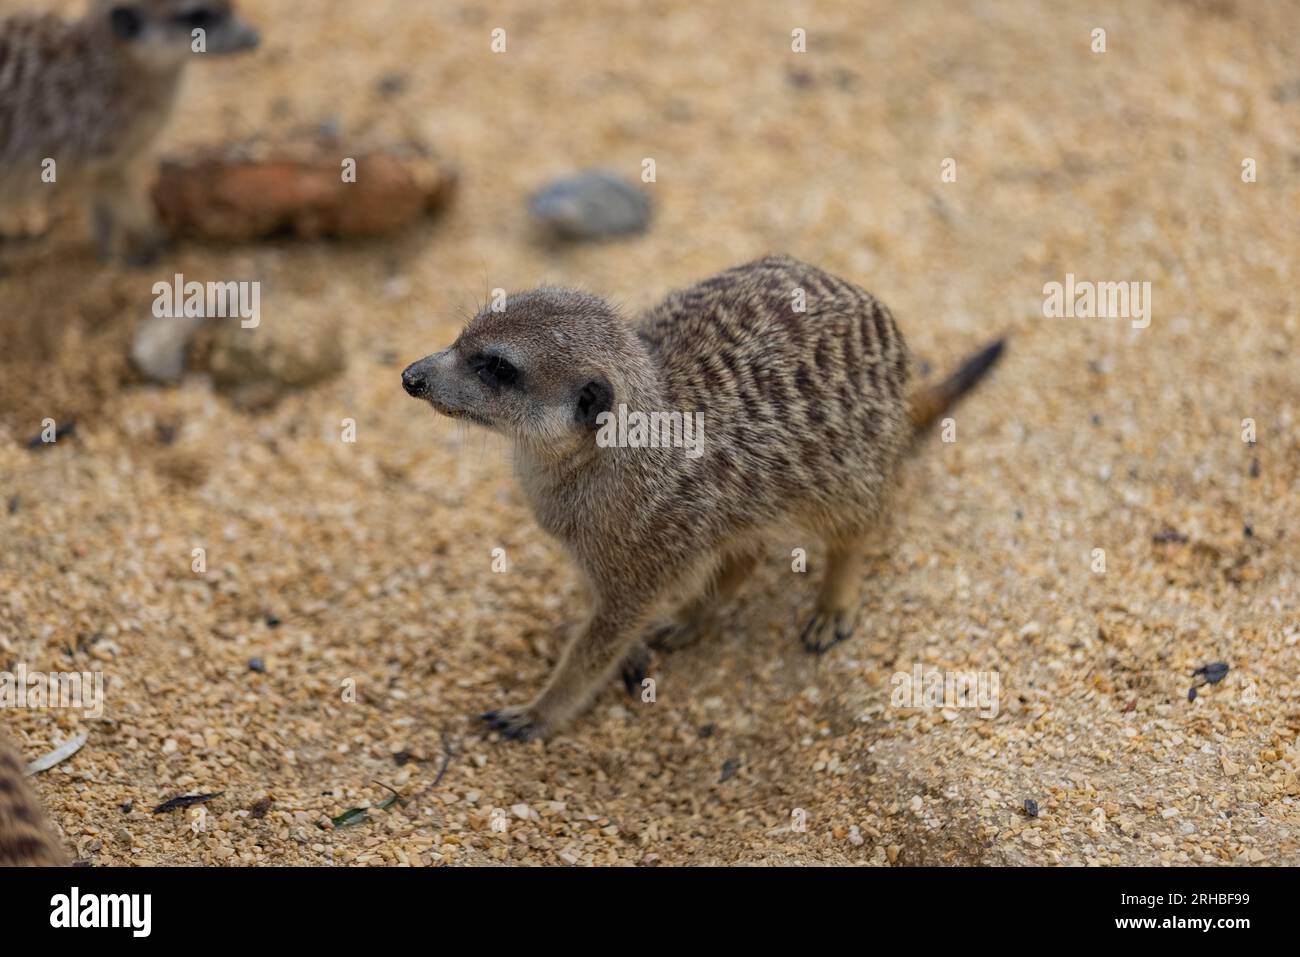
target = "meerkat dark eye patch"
x: 200, y: 18
x: 126, y: 22
x: 593, y: 398
x: 494, y: 371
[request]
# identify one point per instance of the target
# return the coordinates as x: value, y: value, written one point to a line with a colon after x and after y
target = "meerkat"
x: 25, y: 837
x: 800, y: 380
x: 83, y: 101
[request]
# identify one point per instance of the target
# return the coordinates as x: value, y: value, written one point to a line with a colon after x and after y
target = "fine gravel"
x: 349, y: 624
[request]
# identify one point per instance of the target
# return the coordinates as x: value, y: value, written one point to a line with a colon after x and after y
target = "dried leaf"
x: 185, y: 800
x: 60, y: 754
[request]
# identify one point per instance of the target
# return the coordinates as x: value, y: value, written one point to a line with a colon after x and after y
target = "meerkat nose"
x: 413, y: 380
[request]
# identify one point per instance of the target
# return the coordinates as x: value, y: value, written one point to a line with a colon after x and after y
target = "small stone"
x: 1213, y: 673
x: 520, y: 811
x: 591, y: 205
x: 159, y: 348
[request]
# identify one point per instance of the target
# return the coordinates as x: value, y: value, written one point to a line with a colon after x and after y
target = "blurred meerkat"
x: 26, y: 839
x: 801, y: 379
x: 92, y: 95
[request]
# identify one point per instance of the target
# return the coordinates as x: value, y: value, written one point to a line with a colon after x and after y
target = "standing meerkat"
x: 92, y: 95
x: 797, y: 382
x: 25, y: 837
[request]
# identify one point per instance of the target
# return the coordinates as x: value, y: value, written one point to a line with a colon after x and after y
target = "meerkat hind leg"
x: 840, y: 598
x: 700, y: 616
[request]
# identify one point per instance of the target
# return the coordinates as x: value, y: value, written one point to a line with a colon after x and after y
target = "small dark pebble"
x: 258, y: 665
x: 258, y: 810
x: 845, y: 79
x: 1254, y: 467
x: 13, y: 504
x: 1031, y: 807
x: 1213, y: 673
x: 36, y: 442
x: 166, y: 434
x: 392, y: 83
x: 706, y: 731
x: 1248, y: 531
x: 1210, y: 674
x: 1283, y: 92
x: 799, y: 79
x: 679, y: 111
x: 403, y: 758
x: 127, y: 808
x: 1020, y: 516
x: 1167, y: 536
x: 272, y: 621
x: 1096, y: 420
x: 729, y: 768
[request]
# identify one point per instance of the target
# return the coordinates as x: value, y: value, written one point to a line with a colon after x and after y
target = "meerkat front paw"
x: 635, y: 666
x: 826, y: 629
x: 519, y: 723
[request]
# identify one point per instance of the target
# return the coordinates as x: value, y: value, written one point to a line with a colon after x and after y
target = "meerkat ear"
x: 593, y: 398
x: 125, y: 21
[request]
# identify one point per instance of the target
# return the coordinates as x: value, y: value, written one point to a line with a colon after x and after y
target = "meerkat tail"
x: 26, y: 840
x: 931, y: 401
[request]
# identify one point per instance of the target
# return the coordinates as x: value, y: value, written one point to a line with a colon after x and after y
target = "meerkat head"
x: 167, y: 32
x: 539, y: 370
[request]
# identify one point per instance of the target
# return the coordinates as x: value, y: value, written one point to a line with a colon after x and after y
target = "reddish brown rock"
x: 231, y: 196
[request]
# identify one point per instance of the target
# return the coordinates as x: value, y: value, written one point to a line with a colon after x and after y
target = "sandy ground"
x: 368, y: 564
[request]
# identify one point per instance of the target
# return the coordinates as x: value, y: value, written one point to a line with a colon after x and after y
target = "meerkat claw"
x: 814, y: 635
x: 514, y: 723
x: 634, y: 670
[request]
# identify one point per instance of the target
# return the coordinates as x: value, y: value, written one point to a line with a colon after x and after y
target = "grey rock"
x: 591, y: 205
x: 159, y: 347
